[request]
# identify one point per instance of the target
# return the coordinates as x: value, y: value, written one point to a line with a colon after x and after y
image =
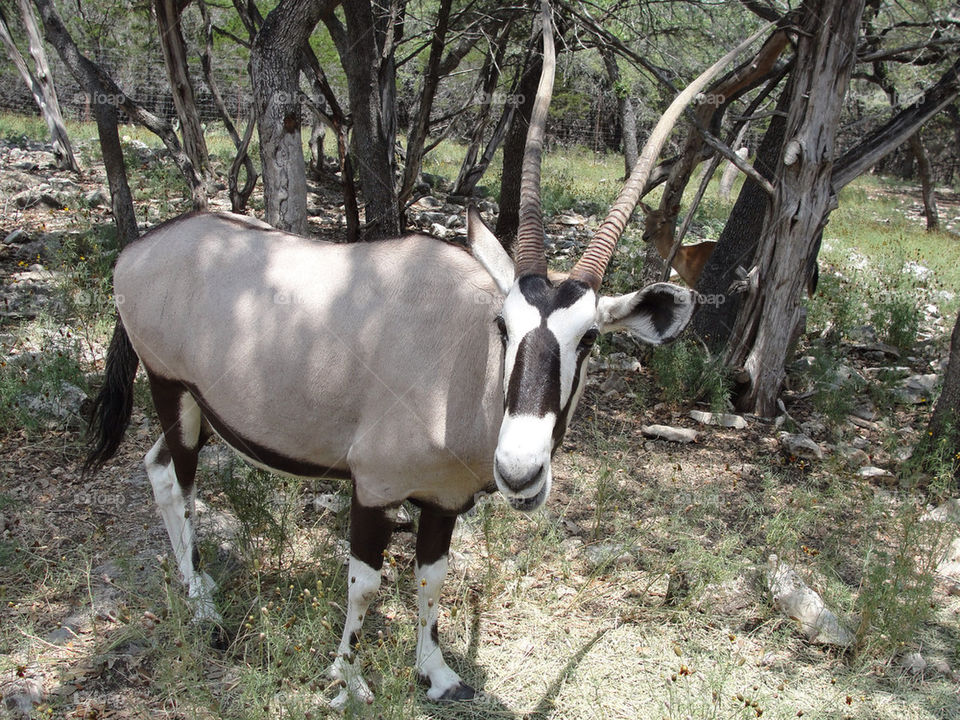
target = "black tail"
x: 114, y: 403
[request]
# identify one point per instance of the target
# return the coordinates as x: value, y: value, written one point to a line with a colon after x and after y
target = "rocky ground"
x: 67, y: 647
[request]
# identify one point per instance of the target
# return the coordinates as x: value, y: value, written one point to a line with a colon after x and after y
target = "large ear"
x: 657, y: 314
x: 488, y: 251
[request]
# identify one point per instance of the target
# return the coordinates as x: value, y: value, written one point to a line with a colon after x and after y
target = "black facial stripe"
x: 534, y: 387
x: 560, y: 428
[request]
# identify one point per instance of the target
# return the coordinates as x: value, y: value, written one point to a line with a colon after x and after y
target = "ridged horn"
x: 529, y: 255
x: 593, y: 263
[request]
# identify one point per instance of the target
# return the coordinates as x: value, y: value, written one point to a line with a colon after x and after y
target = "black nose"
x: 519, y: 483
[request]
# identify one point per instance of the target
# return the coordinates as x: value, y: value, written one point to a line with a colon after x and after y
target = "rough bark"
x: 801, y: 204
x: 625, y: 111
x: 737, y: 244
x: 41, y: 84
x: 420, y: 126
x: 238, y: 196
x: 927, y: 188
x: 89, y: 77
x: 943, y: 431
x: 509, y: 217
x: 374, y: 136
x: 174, y: 48
x: 472, y: 168
x: 897, y: 130
x: 275, y: 72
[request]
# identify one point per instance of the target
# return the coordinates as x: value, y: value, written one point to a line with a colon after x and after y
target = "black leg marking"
x: 433, y: 535
x: 370, y: 530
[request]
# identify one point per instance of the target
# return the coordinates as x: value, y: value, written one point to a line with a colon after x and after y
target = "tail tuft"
x: 114, y: 403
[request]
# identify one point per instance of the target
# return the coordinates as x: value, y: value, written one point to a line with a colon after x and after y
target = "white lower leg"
x: 177, y: 514
x: 363, y: 582
x: 430, y: 662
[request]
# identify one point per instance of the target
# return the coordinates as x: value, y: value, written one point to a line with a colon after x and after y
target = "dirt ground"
x: 616, y: 617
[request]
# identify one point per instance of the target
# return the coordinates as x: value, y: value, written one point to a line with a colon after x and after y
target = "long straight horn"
x: 593, y: 264
x: 529, y: 255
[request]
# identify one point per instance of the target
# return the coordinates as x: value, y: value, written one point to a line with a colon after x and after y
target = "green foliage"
x: 895, y: 594
x: 38, y: 377
x: 685, y: 371
x: 266, y: 507
x: 896, y: 316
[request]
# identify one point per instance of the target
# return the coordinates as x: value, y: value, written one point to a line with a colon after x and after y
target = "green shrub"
x: 686, y: 372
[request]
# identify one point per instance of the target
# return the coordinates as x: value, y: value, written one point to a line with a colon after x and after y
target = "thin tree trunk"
x: 40, y: 84
x: 89, y: 77
x: 174, y: 47
x: 509, y: 217
x: 927, y: 188
x: 472, y: 169
x: 420, y: 126
x: 709, y: 114
x: 238, y: 196
x: 275, y: 72
x: 943, y: 431
x: 802, y: 202
x: 373, y: 144
x: 625, y: 111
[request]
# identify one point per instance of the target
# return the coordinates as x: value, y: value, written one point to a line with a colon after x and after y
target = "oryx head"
x: 547, y: 327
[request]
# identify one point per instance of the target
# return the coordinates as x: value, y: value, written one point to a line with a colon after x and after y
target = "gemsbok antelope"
x: 418, y: 370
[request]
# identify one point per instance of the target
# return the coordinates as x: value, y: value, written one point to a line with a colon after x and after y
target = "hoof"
x: 459, y: 692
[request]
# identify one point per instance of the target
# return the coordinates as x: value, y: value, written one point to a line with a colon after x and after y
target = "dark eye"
x: 589, y: 337
x: 502, y: 327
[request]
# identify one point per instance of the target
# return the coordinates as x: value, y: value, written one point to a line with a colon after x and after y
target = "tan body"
x: 388, y: 366
x: 689, y: 259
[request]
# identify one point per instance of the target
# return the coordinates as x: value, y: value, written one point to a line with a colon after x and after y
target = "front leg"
x: 433, y: 544
x: 370, y: 530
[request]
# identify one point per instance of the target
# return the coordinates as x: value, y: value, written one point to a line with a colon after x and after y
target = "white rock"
x: 800, y: 446
x: 913, y: 663
x: 796, y: 600
x: 666, y: 432
x: 872, y: 472
x: 726, y: 420
x: 947, y: 512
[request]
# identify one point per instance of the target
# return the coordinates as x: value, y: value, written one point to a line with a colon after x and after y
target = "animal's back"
x: 359, y: 357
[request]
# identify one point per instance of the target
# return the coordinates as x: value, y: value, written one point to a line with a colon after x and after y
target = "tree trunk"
x: 737, y: 244
x: 178, y: 74
x: 709, y: 114
x: 628, y: 116
x: 373, y: 141
x: 927, y: 188
x: 420, y: 126
x: 40, y: 84
x: 730, y: 173
x: 238, y: 195
x: 472, y: 169
x: 275, y: 72
x: 802, y: 201
x: 943, y: 431
x: 509, y: 218
x: 89, y: 76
